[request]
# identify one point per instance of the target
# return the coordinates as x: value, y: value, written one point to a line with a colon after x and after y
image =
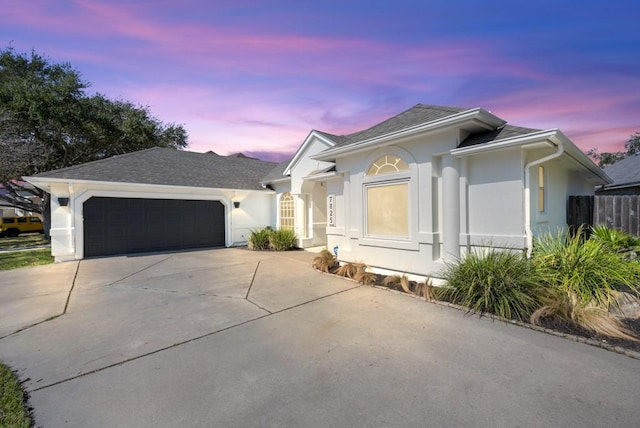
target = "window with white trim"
x: 542, y: 200
x: 287, y: 212
x: 386, y: 195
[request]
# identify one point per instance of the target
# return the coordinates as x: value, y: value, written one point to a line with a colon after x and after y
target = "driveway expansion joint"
x: 53, y: 317
x: 141, y: 270
x: 194, y: 339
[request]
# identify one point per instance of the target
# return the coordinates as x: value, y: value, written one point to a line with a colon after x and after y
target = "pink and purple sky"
x: 257, y: 76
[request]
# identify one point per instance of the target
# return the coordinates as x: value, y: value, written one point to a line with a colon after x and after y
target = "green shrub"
x: 581, y: 278
x: 587, y: 270
x: 282, y: 239
x: 499, y: 282
x: 620, y: 242
x: 259, y: 238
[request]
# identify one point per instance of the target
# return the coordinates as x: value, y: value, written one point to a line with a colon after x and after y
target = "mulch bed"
x: 633, y: 325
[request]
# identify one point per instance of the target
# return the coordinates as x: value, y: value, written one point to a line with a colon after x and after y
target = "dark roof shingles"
x: 416, y: 115
x: 625, y: 171
x: 172, y: 167
x: 276, y: 172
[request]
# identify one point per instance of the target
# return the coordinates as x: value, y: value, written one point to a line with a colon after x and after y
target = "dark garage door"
x: 131, y: 225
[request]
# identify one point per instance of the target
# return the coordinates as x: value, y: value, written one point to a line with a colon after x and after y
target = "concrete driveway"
x: 231, y: 337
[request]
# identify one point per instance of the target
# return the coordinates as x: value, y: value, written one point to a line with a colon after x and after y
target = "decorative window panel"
x: 287, y: 212
x: 387, y: 164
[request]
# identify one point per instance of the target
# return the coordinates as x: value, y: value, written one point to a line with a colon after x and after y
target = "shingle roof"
x: 507, y: 131
x: 416, y: 115
x: 625, y: 171
x: 277, y: 172
x: 172, y: 167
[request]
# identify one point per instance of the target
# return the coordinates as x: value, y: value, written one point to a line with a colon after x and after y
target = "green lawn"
x: 13, y: 406
x: 18, y: 259
x: 22, y: 241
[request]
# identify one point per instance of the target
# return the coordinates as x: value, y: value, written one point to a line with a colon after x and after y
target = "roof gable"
x: 416, y: 115
x: 314, y: 136
x: 164, y: 166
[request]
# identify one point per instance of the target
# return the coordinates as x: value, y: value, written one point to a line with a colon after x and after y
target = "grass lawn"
x: 13, y: 406
x: 18, y: 259
x: 22, y: 241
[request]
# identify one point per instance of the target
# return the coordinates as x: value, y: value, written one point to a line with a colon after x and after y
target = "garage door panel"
x: 131, y: 225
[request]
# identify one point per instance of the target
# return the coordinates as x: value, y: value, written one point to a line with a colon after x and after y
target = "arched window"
x: 387, y: 198
x: 386, y: 164
x: 287, y: 214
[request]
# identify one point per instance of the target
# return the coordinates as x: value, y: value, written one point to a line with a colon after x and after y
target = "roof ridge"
x: 93, y: 162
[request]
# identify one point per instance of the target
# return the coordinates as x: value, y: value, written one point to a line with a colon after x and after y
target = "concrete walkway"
x: 231, y: 337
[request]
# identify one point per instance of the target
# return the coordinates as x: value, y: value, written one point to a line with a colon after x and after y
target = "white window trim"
x: 410, y: 177
x: 292, y: 200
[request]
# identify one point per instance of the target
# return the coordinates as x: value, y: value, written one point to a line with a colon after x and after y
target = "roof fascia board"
x: 477, y: 114
x: 554, y: 136
x: 580, y: 157
x: 621, y: 185
x: 322, y: 177
x: 303, y: 147
x: 42, y: 182
x: 277, y: 180
x: 534, y: 137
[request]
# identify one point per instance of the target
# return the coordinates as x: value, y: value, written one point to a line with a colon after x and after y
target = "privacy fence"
x: 616, y: 211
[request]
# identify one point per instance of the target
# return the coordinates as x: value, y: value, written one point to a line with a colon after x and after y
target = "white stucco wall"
x: 457, y: 202
x: 495, y: 199
x: 67, y: 237
x: 562, y: 181
x: 416, y: 254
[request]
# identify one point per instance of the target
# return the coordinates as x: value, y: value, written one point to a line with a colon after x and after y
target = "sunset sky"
x: 257, y: 76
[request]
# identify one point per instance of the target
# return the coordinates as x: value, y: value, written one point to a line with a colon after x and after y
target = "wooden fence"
x: 616, y: 211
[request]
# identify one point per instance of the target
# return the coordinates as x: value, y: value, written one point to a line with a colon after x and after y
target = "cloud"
x: 241, y: 80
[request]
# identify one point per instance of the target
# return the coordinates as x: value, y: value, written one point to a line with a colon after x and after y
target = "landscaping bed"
x: 576, y: 285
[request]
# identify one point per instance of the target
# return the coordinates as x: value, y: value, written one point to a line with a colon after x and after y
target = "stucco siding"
x: 495, y: 199
x: 67, y: 228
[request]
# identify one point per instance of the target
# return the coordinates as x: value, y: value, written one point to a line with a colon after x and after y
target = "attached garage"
x: 157, y: 199
x: 134, y: 225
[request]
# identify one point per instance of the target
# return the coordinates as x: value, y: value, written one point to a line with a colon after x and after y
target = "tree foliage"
x: 48, y: 121
x: 631, y: 147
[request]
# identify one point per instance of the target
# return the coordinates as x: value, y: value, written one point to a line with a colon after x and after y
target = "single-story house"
x: 625, y: 175
x: 406, y: 194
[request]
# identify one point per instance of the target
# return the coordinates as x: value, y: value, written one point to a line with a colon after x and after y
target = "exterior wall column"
x: 451, y: 207
x: 300, y: 210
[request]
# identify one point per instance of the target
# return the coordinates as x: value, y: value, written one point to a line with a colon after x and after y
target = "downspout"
x: 527, y: 194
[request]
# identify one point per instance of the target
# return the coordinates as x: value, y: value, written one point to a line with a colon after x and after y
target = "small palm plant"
x: 392, y: 282
x: 623, y: 243
x: 425, y: 289
x: 324, y: 261
x: 365, y: 277
x: 349, y: 270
